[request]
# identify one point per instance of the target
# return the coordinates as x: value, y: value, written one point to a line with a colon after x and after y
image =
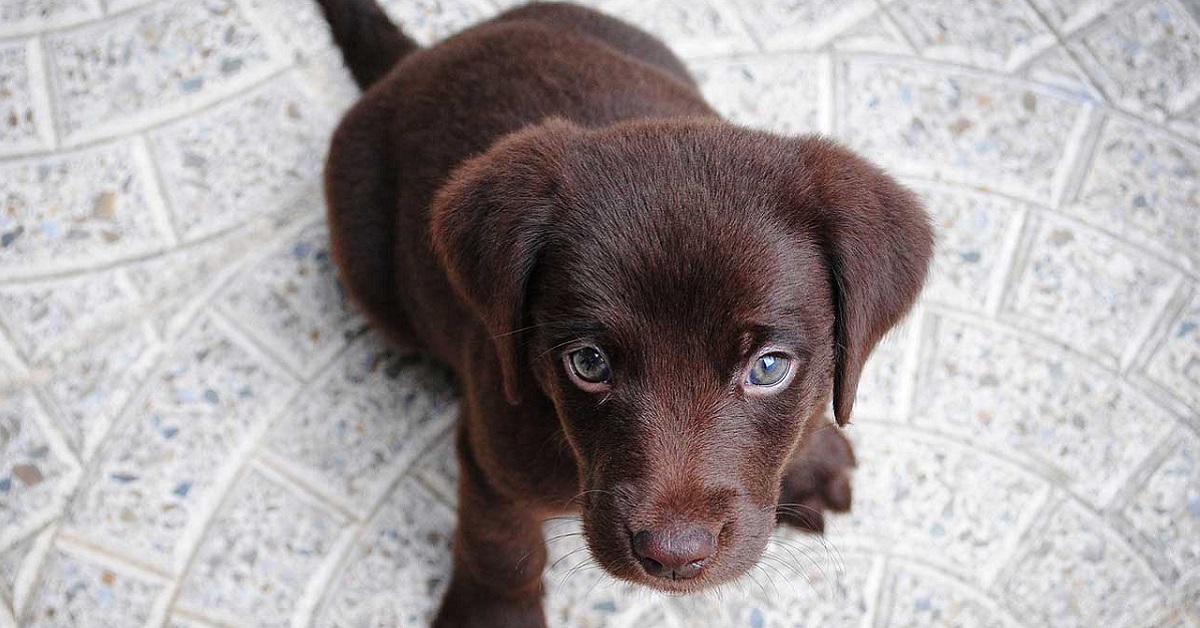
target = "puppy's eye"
x: 589, y: 365
x: 769, y: 370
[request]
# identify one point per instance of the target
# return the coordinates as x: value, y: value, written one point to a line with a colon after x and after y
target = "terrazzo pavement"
x: 196, y: 430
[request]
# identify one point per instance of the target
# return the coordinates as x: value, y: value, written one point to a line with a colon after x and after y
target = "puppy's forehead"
x: 664, y: 263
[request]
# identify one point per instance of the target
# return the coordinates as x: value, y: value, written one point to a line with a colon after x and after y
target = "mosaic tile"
x: 438, y: 468
x: 923, y: 599
x: 144, y: 66
x: 293, y: 299
x: 161, y: 462
x: 31, y: 16
x: 1167, y: 509
x: 1143, y: 187
x: 692, y: 28
x: 184, y: 279
x: 996, y: 35
x: 883, y: 380
x: 77, y: 210
x: 366, y: 419
x: 22, y: 556
x: 215, y: 180
x: 877, y: 33
x: 1075, y: 573
x: 430, y: 21
x: 93, y: 381
x: 260, y: 550
x: 408, y: 541
x: 302, y: 29
x: 778, y: 93
x: 1068, y: 15
x: 49, y: 314
x: 935, y: 501
x: 802, y: 25
x: 972, y: 231
x: 1147, y: 58
x: 36, y: 474
x: 1016, y: 393
x: 77, y: 592
x: 1175, y: 364
x: 986, y: 132
x: 1087, y: 289
x: 25, y: 124
x: 1056, y: 69
x: 799, y: 595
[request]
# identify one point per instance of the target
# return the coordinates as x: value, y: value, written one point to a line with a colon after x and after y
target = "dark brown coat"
x: 552, y: 181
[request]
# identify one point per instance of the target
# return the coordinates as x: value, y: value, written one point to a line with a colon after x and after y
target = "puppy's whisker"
x: 572, y: 571
x: 750, y: 574
x: 834, y: 553
x: 779, y: 564
x: 807, y: 578
x: 567, y: 555
x: 793, y: 547
x: 559, y: 537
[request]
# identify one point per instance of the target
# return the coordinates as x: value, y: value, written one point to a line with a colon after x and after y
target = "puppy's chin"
x: 739, y: 548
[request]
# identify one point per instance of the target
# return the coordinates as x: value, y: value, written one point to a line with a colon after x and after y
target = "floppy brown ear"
x: 877, y: 242
x: 488, y: 225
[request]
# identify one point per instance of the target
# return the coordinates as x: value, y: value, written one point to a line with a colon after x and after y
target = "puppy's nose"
x: 677, y: 555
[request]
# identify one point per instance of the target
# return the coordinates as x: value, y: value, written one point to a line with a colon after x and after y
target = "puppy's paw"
x: 817, y: 480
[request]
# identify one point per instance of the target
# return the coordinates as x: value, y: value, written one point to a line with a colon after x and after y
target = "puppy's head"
x: 688, y: 294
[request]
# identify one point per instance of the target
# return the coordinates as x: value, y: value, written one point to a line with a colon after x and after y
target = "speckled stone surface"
x: 197, y: 430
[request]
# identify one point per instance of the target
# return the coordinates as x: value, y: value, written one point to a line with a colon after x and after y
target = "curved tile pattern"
x: 197, y: 430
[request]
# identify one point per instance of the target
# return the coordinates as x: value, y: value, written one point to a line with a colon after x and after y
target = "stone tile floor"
x: 195, y: 430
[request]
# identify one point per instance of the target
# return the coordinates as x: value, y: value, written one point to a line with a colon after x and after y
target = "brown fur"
x: 553, y: 177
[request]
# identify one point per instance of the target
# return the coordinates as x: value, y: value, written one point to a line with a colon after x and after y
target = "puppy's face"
x: 684, y: 337
x: 688, y: 294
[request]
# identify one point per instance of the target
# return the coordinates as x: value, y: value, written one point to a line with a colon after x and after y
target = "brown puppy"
x: 648, y: 307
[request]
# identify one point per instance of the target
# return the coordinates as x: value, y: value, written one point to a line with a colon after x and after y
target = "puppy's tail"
x: 370, y: 42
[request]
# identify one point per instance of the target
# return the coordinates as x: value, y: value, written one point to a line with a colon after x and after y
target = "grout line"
x: 146, y: 160
x: 71, y: 544
x: 369, y: 520
x: 38, y: 72
x: 1038, y: 210
x: 248, y: 341
x: 829, y: 77
x: 910, y: 363
x: 886, y: 11
x: 293, y: 476
x: 1078, y: 156
x: 1023, y: 529
x: 50, y: 88
x: 312, y: 594
x: 222, y: 491
x: 29, y: 573
x: 62, y: 27
x: 879, y: 589
x: 1007, y: 262
x: 1169, y: 304
x: 1034, y: 529
x: 1134, y: 480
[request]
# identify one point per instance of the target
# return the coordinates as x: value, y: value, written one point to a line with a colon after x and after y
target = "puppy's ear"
x: 488, y: 225
x: 877, y: 243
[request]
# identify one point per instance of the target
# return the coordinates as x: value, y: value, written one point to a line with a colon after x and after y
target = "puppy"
x: 648, y: 307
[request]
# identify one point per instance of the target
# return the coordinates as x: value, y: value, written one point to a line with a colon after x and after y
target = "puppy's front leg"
x: 499, y: 555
